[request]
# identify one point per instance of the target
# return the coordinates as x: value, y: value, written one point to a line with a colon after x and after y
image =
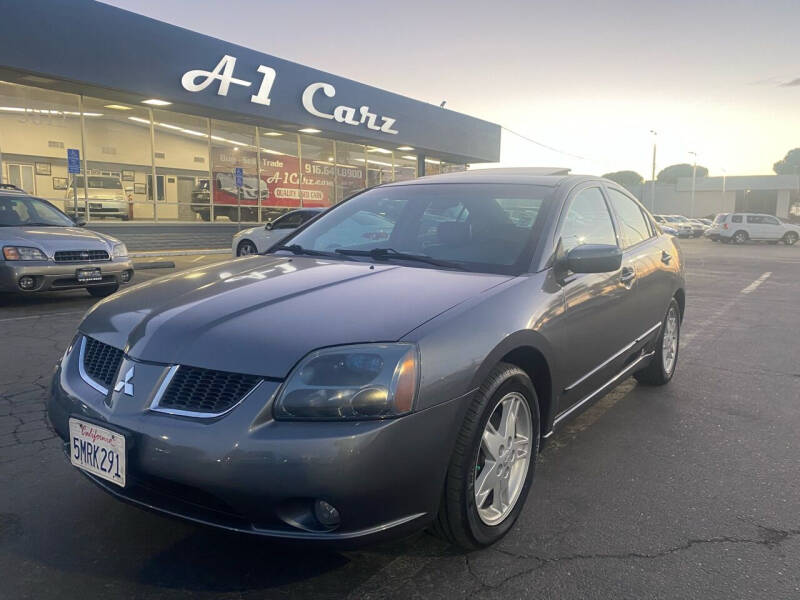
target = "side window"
x: 587, y: 221
x: 631, y: 219
x: 755, y: 219
x: 307, y: 216
x: 770, y: 221
x: 736, y: 219
x: 289, y: 221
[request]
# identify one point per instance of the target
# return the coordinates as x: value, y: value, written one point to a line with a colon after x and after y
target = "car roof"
x: 545, y: 176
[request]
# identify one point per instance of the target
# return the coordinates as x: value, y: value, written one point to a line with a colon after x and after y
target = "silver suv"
x: 105, y: 197
x: 738, y: 228
x: 42, y: 249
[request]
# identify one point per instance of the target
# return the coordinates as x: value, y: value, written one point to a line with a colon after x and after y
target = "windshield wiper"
x: 392, y: 254
x: 298, y: 249
x: 39, y: 224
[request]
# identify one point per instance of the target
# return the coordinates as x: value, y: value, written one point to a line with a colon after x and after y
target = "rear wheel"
x: 492, y: 466
x: 740, y: 237
x: 662, y: 366
x: 790, y: 238
x: 246, y: 248
x: 101, y: 291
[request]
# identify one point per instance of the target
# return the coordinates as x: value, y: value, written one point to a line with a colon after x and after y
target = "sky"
x: 589, y: 79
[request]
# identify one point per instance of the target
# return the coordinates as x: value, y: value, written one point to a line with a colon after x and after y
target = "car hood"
x: 261, y: 314
x: 52, y: 239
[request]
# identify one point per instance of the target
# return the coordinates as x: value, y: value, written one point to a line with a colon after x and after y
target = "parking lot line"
x: 756, y: 283
x: 61, y: 314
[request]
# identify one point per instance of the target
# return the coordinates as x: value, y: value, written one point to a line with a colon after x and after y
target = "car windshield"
x: 20, y: 211
x: 477, y: 227
x: 103, y: 183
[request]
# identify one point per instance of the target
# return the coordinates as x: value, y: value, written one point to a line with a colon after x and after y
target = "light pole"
x: 653, y: 176
x: 694, y: 179
x: 724, y: 176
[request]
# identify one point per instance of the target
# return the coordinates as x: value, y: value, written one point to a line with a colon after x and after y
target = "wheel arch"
x: 531, y: 352
x: 680, y: 298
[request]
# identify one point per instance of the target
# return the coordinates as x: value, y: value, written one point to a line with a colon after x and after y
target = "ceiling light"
x: 118, y: 107
x: 156, y: 102
x: 409, y: 157
x: 405, y: 148
x: 309, y: 130
x: 381, y: 150
x: 272, y: 133
x: 139, y: 120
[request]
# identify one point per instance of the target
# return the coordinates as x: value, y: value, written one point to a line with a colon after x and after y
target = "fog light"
x: 125, y: 276
x: 27, y: 282
x: 326, y: 514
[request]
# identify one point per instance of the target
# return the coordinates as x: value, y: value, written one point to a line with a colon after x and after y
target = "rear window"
x: 721, y: 218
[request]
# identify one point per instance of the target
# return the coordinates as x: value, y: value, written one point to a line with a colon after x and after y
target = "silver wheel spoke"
x: 491, y: 442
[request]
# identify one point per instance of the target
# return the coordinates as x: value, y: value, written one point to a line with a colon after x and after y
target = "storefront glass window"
x: 36, y: 128
x: 234, y: 146
x: 405, y: 166
x: 182, y: 165
x: 280, y: 172
x: 350, y: 169
x: 317, y: 171
x: 119, y: 161
x: 380, y: 166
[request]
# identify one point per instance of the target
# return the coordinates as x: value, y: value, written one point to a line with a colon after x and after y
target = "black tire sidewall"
x: 244, y: 243
x: 484, y: 534
x: 790, y: 239
x: 660, y: 348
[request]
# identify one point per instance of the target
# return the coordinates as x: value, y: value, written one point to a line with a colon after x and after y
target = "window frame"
x: 645, y: 215
x: 571, y: 195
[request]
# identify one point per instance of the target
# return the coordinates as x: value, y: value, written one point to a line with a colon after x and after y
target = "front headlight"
x: 119, y: 251
x: 369, y: 381
x: 23, y: 253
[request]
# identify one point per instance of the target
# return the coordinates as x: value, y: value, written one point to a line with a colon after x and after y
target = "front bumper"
x: 52, y: 276
x: 246, y: 472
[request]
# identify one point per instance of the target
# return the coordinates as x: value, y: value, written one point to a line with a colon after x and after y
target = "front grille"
x: 205, y: 391
x: 101, y: 361
x: 80, y: 255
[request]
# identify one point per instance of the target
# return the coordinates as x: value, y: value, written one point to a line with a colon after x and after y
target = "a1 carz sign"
x: 198, y: 80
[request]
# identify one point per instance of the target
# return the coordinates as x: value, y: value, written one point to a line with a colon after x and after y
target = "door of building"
x: 185, y: 187
x: 22, y: 177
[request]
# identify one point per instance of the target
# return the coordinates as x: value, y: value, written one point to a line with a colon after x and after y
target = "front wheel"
x: 246, y: 248
x: 665, y: 359
x: 492, y: 466
x: 790, y: 239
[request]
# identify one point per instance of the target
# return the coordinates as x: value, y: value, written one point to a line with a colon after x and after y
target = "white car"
x: 740, y: 227
x: 258, y: 239
x: 676, y: 222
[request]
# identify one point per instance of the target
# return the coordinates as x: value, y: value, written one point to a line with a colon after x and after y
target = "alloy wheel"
x: 246, y: 248
x: 669, y: 343
x: 503, y: 459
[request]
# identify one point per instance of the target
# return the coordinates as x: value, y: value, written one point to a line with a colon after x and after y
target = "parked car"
x: 257, y: 239
x: 737, y: 228
x: 369, y: 388
x: 43, y: 250
x: 230, y: 201
x: 668, y: 230
x: 698, y: 227
x: 104, y: 195
x: 679, y: 224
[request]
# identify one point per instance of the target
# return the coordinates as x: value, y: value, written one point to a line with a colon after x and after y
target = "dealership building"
x: 167, y: 126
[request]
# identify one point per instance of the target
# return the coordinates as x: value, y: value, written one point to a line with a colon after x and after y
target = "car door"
x: 772, y: 228
x: 650, y: 256
x: 755, y: 227
x: 596, y: 327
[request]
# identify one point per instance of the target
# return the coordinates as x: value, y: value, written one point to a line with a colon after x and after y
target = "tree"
x: 790, y: 165
x: 672, y: 173
x: 627, y: 179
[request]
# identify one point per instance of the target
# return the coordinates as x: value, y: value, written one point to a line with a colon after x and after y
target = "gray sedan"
x: 43, y: 250
x: 345, y: 389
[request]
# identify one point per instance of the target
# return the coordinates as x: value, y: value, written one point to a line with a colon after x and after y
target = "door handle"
x: 665, y: 257
x: 627, y: 276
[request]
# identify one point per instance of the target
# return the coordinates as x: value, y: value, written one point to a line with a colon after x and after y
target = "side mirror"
x: 268, y: 226
x: 80, y: 223
x: 594, y: 258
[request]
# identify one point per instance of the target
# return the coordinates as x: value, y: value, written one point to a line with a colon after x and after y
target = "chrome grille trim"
x: 82, y: 371
x: 68, y: 256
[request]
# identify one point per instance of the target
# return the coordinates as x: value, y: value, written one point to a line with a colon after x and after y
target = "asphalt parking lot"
x: 692, y: 490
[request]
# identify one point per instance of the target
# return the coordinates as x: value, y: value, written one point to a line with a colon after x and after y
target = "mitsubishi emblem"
x: 125, y: 384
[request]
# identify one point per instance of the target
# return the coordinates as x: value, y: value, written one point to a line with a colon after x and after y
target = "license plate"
x: 97, y: 450
x: 84, y: 275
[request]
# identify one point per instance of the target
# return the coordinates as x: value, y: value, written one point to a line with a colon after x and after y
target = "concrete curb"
x: 159, y: 253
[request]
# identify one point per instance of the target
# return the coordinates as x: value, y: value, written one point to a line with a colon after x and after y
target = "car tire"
x: 790, y: 238
x: 459, y: 520
x: 246, y: 248
x: 101, y: 291
x: 661, y: 370
x: 740, y: 237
